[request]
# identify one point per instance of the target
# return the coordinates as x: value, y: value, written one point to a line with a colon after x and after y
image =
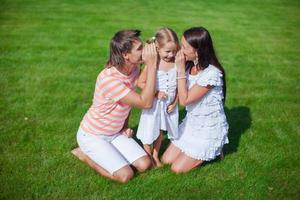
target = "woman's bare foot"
x: 84, y: 158
x: 79, y: 154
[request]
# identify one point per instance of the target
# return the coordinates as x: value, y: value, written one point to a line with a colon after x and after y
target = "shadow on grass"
x: 239, y: 120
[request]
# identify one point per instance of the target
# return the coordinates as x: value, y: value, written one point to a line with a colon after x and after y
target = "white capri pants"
x: 112, y: 152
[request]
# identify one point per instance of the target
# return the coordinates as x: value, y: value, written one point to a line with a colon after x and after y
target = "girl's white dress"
x: 203, y: 131
x: 156, y: 118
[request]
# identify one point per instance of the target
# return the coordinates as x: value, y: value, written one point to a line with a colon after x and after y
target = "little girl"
x: 163, y: 116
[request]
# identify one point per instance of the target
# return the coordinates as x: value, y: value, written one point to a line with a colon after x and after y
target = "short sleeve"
x: 211, y: 77
x: 113, y: 88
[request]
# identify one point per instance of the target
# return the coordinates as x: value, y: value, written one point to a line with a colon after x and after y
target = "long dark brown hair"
x: 122, y: 42
x: 200, y: 39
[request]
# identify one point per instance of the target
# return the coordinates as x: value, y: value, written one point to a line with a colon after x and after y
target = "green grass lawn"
x: 52, y: 52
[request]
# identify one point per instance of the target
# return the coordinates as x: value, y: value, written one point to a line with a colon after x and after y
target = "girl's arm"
x: 186, y: 96
x: 176, y: 98
x: 142, y: 78
x: 175, y: 101
x: 145, y: 99
x: 172, y: 106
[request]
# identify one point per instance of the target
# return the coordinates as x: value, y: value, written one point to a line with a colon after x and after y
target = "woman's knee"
x: 165, y: 159
x: 142, y: 164
x: 177, y: 169
x: 124, y: 174
x: 185, y: 165
x: 171, y: 154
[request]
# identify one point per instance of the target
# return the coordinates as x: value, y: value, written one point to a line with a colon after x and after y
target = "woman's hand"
x: 149, y: 56
x: 127, y: 132
x: 180, y: 63
x: 145, y: 98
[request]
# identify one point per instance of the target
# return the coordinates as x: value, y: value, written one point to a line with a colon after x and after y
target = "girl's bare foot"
x: 152, y: 162
x: 157, y: 162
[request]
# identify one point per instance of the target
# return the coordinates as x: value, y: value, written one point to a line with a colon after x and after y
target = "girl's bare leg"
x: 122, y: 175
x: 148, y: 149
x: 156, y: 149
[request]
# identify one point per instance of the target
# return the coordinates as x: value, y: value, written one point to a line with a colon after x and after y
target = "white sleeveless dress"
x: 203, y: 131
x: 156, y: 118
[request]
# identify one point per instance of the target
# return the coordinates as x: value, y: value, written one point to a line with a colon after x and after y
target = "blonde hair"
x: 163, y: 36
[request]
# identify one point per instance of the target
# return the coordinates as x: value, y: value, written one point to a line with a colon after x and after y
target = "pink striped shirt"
x: 107, y: 115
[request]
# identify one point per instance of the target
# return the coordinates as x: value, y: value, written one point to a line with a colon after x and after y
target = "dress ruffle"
x: 210, y: 76
x: 202, y: 143
x: 206, y: 154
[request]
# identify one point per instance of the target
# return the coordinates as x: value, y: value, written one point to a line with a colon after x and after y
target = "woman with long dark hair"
x: 202, y: 89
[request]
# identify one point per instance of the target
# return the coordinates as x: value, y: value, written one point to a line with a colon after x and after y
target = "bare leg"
x: 156, y: 148
x: 184, y: 163
x: 123, y: 175
x: 170, y: 154
x: 148, y: 150
x: 142, y: 164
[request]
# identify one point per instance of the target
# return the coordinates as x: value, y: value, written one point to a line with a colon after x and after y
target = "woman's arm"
x: 145, y: 99
x: 186, y: 96
x: 142, y: 82
x: 175, y: 101
x: 142, y: 78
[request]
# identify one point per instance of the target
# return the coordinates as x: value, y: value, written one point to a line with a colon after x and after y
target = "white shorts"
x: 112, y: 152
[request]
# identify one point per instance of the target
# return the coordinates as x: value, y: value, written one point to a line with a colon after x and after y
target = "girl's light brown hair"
x: 122, y: 42
x: 163, y: 36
